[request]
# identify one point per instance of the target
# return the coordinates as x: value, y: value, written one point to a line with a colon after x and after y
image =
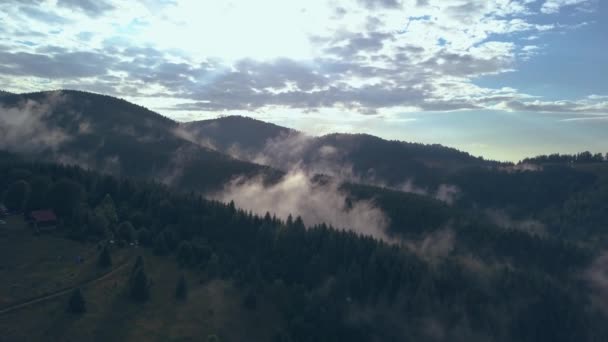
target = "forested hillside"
x: 115, y: 137
x: 356, y: 157
x: 488, y: 284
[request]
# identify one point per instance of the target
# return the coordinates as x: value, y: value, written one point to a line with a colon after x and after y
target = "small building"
x: 43, y: 219
x: 3, y: 211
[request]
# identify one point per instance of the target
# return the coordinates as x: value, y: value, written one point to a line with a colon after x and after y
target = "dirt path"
x: 61, y: 292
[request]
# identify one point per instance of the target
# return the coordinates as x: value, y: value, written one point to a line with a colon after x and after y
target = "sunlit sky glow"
x: 502, y: 78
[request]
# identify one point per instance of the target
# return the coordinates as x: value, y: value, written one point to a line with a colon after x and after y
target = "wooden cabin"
x: 43, y: 220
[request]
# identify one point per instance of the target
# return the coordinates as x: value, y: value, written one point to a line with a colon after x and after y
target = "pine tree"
x: 76, y: 303
x: 160, y: 245
x: 17, y: 195
x: 213, y: 266
x: 126, y: 232
x: 108, y: 209
x: 184, y: 253
x: 140, y: 287
x: 289, y: 221
x: 181, y: 290
x: 213, y: 338
x: 139, y: 263
x: 299, y: 224
x: 250, y: 301
x: 105, y: 260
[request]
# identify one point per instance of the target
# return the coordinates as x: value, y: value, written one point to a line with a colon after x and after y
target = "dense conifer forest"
x: 328, y: 284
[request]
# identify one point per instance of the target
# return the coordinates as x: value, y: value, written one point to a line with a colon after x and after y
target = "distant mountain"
x: 358, y: 157
x: 419, y: 187
x: 426, y: 176
x: 247, y: 134
x: 470, y: 249
x: 113, y: 136
x: 116, y: 137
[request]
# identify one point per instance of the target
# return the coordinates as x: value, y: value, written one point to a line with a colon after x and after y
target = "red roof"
x: 43, y: 216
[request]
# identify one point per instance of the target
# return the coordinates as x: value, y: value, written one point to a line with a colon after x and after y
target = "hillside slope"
x: 237, y: 132
x: 357, y: 157
x: 113, y: 136
x: 261, y: 278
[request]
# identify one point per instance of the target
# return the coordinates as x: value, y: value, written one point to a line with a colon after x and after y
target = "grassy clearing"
x: 212, y: 307
x: 32, y: 266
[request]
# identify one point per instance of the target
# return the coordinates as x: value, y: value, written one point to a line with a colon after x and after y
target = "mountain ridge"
x: 361, y: 157
x: 109, y: 134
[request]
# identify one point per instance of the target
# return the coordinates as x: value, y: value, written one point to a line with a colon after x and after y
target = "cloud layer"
x: 365, y: 56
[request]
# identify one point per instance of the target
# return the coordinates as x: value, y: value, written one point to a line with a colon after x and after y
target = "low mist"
x: 434, y: 245
x: 504, y: 220
x: 302, y: 152
x: 296, y: 194
x: 24, y: 128
x: 597, y: 277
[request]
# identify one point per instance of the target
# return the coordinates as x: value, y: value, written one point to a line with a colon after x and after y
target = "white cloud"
x: 366, y: 56
x: 586, y: 118
x: 583, y: 106
x: 554, y: 6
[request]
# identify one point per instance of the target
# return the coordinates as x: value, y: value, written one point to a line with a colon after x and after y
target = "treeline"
x: 570, y: 202
x: 579, y: 158
x: 329, y: 285
x: 524, y: 192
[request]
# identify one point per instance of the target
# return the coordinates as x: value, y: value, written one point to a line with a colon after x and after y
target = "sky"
x: 503, y: 79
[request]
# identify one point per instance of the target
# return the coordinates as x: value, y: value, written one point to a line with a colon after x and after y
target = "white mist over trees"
x: 296, y: 194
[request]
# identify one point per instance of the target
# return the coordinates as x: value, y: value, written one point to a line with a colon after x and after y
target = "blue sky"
x: 503, y: 78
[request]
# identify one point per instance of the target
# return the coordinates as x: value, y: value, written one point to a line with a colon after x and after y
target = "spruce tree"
x: 250, y: 301
x: 105, y: 260
x: 289, y: 222
x: 140, y: 287
x: 17, y: 195
x: 108, y: 209
x: 139, y: 262
x: 160, y: 245
x: 213, y: 338
x: 76, y: 303
x: 181, y: 290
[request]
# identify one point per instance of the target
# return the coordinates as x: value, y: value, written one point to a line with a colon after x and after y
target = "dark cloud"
x: 178, y: 77
x: 352, y: 44
x: 46, y: 15
x: 456, y: 64
x: 466, y: 12
x: 557, y: 107
x: 234, y: 95
x: 447, y: 105
x: 62, y: 65
x: 375, y: 4
x: 92, y: 8
x: 250, y: 85
x: 340, y: 12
